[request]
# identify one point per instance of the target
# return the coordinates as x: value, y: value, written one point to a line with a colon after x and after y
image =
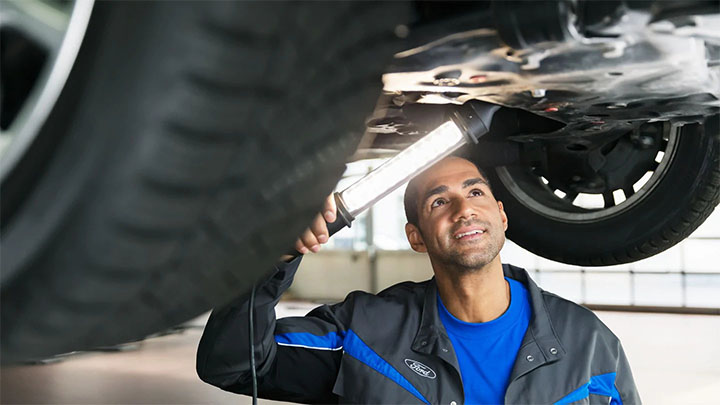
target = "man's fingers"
x: 319, y: 229
x: 310, y: 241
x: 300, y: 247
x: 317, y: 233
x: 329, y: 209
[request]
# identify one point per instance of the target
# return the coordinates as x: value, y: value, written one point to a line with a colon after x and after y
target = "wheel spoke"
x: 39, y: 21
x: 628, y: 191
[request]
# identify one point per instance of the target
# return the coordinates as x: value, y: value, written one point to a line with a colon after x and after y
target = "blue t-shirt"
x: 486, y: 351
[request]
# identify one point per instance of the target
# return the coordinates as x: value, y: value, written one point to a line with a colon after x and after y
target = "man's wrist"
x: 284, y: 271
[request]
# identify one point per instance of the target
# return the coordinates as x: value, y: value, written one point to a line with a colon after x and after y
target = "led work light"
x: 467, y: 124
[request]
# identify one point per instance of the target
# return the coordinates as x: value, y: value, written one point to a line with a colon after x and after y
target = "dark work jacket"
x: 392, y: 348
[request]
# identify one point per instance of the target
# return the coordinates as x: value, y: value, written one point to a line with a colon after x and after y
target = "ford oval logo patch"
x: 420, y: 368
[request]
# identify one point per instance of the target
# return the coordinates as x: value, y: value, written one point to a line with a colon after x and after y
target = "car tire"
x: 190, y: 145
x: 685, y: 196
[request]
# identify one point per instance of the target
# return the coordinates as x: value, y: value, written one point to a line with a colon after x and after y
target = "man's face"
x: 461, y: 224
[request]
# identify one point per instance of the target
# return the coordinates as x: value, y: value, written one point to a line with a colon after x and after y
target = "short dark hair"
x: 410, y: 199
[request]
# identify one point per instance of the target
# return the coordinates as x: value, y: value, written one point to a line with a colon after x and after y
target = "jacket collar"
x: 431, y: 337
x: 540, y: 345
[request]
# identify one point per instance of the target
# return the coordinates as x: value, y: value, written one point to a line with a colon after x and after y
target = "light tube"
x: 434, y: 146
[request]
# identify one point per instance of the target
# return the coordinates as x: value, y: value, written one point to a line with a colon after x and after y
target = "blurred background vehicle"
x: 157, y: 157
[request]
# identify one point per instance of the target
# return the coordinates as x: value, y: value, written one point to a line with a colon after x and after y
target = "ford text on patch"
x: 420, y: 368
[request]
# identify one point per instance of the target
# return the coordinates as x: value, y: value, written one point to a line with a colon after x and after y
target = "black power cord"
x: 251, y: 328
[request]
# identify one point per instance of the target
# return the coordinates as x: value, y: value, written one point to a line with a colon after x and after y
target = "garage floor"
x: 674, y: 359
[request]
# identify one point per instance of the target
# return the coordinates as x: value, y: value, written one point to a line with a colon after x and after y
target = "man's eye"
x: 476, y: 193
x: 437, y: 203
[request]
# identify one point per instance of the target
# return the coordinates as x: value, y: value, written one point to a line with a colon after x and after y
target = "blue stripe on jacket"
x: 331, y: 341
x: 353, y: 346
x: 603, y: 384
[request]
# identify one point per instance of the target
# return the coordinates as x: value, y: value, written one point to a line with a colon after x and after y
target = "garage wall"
x: 331, y: 274
x: 687, y: 275
x: 401, y: 265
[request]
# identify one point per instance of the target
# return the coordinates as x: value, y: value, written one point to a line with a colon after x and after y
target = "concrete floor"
x: 675, y: 359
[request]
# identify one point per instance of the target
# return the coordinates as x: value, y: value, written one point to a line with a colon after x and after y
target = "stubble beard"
x: 471, y: 260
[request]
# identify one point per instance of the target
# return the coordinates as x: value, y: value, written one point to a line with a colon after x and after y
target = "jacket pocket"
x: 359, y: 383
x: 593, y: 399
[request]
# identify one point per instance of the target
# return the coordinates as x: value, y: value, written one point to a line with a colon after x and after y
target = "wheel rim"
x: 53, y: 31
x: 540, y: 195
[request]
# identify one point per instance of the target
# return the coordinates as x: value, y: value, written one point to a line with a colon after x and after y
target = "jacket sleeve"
x: 624, y: 381
x: 303, y: 368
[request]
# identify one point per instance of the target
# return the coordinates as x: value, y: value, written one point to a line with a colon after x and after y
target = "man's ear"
x: 415, y: 238
x: 503, y: 216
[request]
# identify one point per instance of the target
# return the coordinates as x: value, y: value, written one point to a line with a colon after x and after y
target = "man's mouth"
x: 470, y: 234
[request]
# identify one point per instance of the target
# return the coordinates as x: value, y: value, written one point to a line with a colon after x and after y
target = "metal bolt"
x: 424, y: 343
x: 553, y: 350
x: 453, y: 403
x: 646, y: 140
x: 446, y: 81
x: 538, y: 93
x: 402, y: 31
x: 530, y: 358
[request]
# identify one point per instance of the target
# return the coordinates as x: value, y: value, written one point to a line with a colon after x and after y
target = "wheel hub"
x: 580, y: 180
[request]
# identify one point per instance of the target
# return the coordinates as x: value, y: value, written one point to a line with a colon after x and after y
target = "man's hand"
x: 317, y: 233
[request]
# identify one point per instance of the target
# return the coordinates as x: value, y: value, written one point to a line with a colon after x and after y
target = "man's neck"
x: 474, y: 296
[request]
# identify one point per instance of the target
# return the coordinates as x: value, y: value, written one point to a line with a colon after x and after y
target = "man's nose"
x: 464, y: 210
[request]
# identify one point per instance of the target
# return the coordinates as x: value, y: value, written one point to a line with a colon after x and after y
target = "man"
x: 478, y: 332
